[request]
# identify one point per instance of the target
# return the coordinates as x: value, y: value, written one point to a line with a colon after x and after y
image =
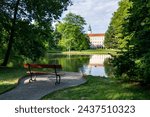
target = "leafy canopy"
x: 27, y: 23
x: 115, y: 32
x: 72, y: 33
x: 133, y: 62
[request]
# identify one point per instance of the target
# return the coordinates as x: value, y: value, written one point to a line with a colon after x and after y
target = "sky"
x: 97, y: 13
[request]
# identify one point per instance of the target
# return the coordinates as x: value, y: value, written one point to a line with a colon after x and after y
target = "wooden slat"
x: 40, y: 73
x: 44, y: 73
x: 42, y: 66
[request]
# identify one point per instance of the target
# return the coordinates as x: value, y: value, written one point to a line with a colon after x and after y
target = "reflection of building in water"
x: 97, y: 60
x: 96, y: 65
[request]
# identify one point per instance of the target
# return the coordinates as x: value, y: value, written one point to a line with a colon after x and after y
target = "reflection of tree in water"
x: 109, y: 69
x: 70, y: 62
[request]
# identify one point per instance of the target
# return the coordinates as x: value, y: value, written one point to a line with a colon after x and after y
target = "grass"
x: 9, y: 77
x: 93, y: 51
x: 97, y: 88
x: 90, y: 51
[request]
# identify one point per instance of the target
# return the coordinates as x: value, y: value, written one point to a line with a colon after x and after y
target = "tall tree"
x: 114, y: 34
x: 134, y: 61
x: 72, y: 33
x: 41, y: 11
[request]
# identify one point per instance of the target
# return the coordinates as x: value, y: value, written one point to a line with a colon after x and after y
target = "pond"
x: 86, y: 64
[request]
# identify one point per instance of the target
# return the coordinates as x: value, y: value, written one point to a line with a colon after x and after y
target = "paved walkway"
x: 43, y: 86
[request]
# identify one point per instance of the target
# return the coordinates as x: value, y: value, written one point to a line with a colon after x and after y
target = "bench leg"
x: 31, y: 78
x: 57, y: 80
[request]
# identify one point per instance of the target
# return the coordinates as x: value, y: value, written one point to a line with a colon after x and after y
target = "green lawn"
x: 97, y: 88
x: 90, y: 51
x: 93, y: 51
x: 9, y: 77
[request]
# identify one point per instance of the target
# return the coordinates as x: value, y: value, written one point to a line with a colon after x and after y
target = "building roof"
x: 96, y: 35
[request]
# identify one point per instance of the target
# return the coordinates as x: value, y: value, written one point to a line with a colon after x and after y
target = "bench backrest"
x: 42, y: 66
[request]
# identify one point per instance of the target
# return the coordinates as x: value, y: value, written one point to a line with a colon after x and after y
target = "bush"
x: 143, y: 68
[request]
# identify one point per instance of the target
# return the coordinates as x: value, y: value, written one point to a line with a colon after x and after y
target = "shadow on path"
x: 43, y: 86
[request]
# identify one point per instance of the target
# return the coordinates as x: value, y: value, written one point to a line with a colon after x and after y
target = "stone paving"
x: 43, y: 86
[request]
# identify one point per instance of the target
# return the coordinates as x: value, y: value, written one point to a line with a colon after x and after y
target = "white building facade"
x: 97, y: 40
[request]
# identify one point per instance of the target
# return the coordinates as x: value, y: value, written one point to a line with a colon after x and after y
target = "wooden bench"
x: 35, y: 73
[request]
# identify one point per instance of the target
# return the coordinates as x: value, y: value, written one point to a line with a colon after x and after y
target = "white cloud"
x: 97, y: 13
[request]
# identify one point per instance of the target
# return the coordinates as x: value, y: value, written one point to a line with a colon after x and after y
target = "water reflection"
x: 87, y: 64
x: 96, y: 65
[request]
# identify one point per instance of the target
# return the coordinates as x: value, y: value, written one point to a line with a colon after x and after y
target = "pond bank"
x: 87, y: 52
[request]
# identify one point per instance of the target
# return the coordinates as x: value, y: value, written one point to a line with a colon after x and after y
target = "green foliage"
x: 18, y: 35
x: 114, y: 34
x: 54, y: 43
x: 32, y: 43
x: 124, y: 66
x: 109, y: 69
x: 143, y: 65
x: 133, y: 62
x: 72, y: 34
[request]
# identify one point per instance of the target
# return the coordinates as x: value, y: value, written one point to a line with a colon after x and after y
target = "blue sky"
x: 97, y: 13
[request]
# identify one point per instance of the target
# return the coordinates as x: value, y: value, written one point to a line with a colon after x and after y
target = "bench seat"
x: 34, y: 74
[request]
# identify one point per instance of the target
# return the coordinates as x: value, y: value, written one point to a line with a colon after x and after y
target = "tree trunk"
x: 11, y: 36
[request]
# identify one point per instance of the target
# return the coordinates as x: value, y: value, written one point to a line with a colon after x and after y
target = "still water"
x: 87, y: 64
